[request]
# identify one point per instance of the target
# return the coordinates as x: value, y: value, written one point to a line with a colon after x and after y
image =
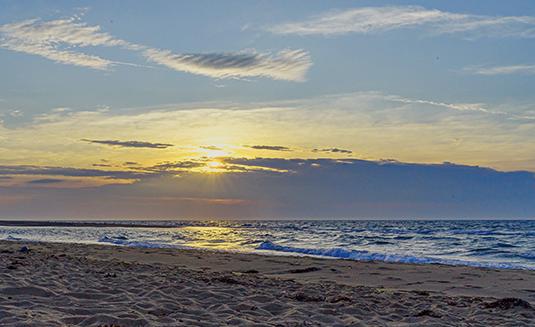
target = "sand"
x: 96, y: 285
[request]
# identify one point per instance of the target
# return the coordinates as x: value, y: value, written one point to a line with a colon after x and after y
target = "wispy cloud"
x: 225, y: 164
x: 6, y: 170
x: 333, y: 150
x: 290, y: 65
x: 63, y: 177
x: 477, y: 107
x: 502, y: 70
x: 211, y: 147
x: 60, y: 40
x: 453, y: 106
x: 182, y: 165
x: 130, y: 144
x: 381, y: 19
x: 269, y: 147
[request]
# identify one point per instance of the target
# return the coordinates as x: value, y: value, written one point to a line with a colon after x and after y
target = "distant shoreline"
x: 200, y: 222
x: 45, y: 223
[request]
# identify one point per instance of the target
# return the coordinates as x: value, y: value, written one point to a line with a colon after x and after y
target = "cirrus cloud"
x: 290, y: 65
x: 381, y: 19
x: 60, y: 40
x: 502, y: 70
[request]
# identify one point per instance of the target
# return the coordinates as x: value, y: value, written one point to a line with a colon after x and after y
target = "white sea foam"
x: 385, y: 257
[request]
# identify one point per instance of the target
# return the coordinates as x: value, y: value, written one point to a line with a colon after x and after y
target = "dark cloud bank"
x: 315, y: 188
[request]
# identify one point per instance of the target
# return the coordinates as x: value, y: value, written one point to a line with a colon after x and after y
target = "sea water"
x: 492, y: 244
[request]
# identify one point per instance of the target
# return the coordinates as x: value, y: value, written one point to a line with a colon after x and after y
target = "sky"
x: 267, y: 109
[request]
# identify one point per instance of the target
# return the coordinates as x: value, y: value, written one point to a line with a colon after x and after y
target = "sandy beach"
x: 96, y: 285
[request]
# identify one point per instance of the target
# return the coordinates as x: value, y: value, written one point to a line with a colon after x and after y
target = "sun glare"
x: 211, y: 153
x: 214, y: 166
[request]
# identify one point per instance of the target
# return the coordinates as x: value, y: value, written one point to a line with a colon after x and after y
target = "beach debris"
x: 303, y: 270
x: 251, y: 271
x: 24, y: 249
x: 508, y: 303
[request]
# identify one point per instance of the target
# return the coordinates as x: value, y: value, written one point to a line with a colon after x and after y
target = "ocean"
x: 482, y: 243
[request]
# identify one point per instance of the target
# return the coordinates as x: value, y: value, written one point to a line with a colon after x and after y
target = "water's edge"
x: 486, y: 244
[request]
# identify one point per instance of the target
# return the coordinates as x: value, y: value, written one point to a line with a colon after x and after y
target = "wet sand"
x: 96, y: 285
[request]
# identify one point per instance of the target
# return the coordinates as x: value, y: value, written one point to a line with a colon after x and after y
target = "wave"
x: 530, y: 255
x: 362, y: 255
x: 505, y: 245
x: 122, y: 240
x: 401, y: 237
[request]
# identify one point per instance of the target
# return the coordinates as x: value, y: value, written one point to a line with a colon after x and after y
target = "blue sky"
x: 93, y: 85
x: 408, y: 61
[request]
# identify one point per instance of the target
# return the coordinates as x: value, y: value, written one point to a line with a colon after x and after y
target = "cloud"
x: 63, y: 56
x: 310, y: 188
x: 453, y: 106
x: 269, y: 147
x: 101, y: 165
x: 502, y: 70
x: 211, y: 147
x: 130, y: 144
x: 466, y: 107
x: 290, y: 65
x: 69, y: 31
x: 182, y: 165
x: 203, y: 165
x: 378, y: 125
x: 30, y: 170
x: 333, y: 150
x: 367, y: 20
x: 45, y: 181
x: 59, y: 41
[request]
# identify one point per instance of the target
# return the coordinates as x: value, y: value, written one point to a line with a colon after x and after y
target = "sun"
x: 213, y: 166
